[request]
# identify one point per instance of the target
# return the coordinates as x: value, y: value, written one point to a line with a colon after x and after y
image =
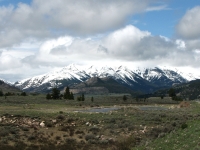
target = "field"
x: 32, y: 122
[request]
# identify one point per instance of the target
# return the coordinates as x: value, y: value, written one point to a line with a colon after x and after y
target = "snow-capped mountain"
x: 145, y: 80
x: 7, y: 82
x: 161, y: 76
x: 7, y: 87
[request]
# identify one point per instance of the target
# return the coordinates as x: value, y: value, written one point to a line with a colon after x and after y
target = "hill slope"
x: 5, y: 87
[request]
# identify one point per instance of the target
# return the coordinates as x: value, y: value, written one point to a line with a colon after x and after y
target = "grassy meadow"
x: 32, y: 122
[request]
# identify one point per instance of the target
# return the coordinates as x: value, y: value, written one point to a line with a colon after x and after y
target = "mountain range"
x: 7, y: 87
x: 144, y: 80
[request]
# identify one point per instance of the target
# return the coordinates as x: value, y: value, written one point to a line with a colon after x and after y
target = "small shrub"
x: 94, y: 130
x: 58, y: 137
x: 79, y: 132
x: 184, y: 125
x: 4, y: 133
x: 25, y: 128
x: 131, y: 128
x: 49, y: 124
x: 60, y: 112
x: 127, y: 143
x: 71, y: 132
x: 89, y: 137
x: 65, y: 128
x: 61, y: 117
x: 31, y: 138
x: 70, y: 120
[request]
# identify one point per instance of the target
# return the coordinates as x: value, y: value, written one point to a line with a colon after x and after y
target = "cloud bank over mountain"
x: 39, y: 36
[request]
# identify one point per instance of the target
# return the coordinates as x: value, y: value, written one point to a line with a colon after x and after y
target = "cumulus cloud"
x: 188, y: 26
x: 9, y: 62
x: 48, y: 19
x: 188, y: 29
x: 128, y: 44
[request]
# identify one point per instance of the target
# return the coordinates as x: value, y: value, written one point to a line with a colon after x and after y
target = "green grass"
x: 181, y: 139
x: 165, y: 127
x: 184, y: 137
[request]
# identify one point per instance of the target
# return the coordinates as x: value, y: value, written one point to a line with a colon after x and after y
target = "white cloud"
x: 9, y: 62
x: 188, y: 29
x: 128, y: 44
x: 48, y: 19
x: 157, y: 8
x: 188, y: 26
x: 180, y: 44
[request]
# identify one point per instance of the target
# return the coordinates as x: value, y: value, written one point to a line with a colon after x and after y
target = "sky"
x: 38, y: 36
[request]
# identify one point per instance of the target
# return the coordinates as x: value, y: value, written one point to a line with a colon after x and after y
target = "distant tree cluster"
x: 172, y: 94
x: 81, y: 98
x: 55, y: 94
x: 68, y: 95
x: 23, y: 94
x: 12, y: 94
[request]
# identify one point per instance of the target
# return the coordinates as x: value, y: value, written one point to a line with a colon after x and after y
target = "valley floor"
x: 32, y: 122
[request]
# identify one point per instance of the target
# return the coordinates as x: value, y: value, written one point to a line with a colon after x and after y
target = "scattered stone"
x: 42, y: 124
x: 54, y: 120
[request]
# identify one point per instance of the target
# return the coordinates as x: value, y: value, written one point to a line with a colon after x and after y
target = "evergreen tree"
x: 67, y: 93
x: 124, y: 98
x: 79, y: 98
x: 23, y: 94
x: 48, y: 96
x: 92, y: 99
x: 171, y: 92
x: 71, y: 96
x: 55, y: 93
x: 1, y: 93
x: 83, y: 97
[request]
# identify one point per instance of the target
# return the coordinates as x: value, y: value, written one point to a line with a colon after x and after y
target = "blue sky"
x: 163, y: 22
x: 158, y: 22
x: 41, y: 35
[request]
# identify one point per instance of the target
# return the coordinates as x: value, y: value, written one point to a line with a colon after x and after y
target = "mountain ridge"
x: 146, y: 80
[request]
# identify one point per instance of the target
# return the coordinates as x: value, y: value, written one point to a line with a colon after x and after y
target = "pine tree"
x: 68, y: 95
x: 92, y: 99
x: 48, y: 96
x: 55, y: 93
x: 171, y: 92
x: 83, y: 97
x: 71, y: 96
x: 124, y: 98
x: 22, y: 94
x: 1, y: 93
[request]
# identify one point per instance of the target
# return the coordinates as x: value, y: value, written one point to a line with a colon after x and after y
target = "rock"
x: 42, y: 124
x: 54, y: 120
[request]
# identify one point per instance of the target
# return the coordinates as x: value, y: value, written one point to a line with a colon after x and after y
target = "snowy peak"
x: 74, y: 74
